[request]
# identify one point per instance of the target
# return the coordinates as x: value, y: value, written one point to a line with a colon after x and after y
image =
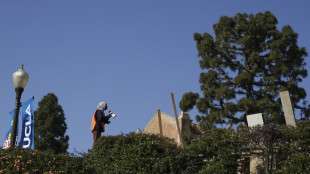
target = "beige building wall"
x: 256, y: 165
x: 169, y: 125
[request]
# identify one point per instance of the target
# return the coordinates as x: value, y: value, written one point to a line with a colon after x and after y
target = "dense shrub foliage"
x: 215, y: 151
x: 134, y: 153
x: 284, y: 150
x: 296, y: 149
x: 19, y: 160
x: 266, y: 141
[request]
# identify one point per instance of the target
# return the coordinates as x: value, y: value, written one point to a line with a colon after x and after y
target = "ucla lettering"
x: 27, y: 139
x: 26, y: 132
x: 28, y: 110
x: 27, y: 128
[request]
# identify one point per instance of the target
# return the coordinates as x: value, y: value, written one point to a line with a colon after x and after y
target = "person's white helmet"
x: 102, y: 105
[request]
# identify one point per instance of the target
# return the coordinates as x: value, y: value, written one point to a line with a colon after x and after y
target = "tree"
x: 245, y: 67
x: 50, y: 126
x: 281, y: 148
x: 265, y: 141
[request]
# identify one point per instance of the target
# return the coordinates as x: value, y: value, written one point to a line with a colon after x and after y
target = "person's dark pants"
x: 96, y: 135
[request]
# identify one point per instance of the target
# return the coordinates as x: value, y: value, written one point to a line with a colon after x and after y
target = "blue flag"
x: 8, y: 134
x: 27, y: 135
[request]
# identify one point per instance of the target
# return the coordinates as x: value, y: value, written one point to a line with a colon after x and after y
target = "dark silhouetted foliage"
x: 50, y: 126
x: 245, y: 67
x: 216, y: 151
x: 17, y: 160
x: 134, y: 153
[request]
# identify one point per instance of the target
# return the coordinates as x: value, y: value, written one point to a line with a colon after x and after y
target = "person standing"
x: 98, y: 121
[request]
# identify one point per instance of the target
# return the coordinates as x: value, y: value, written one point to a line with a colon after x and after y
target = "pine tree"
x: 245, y: 67
x: 50, y: 126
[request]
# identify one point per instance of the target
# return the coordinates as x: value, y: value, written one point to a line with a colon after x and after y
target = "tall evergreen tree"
x: 245, y: 67
x: 50, y: 126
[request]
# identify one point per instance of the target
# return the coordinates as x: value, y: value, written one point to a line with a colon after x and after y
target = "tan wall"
x: 169, y: 130
x: 169, y: 126
x: 256, y: 165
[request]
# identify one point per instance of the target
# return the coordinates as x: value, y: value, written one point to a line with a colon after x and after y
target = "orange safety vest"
x: 93, y: 123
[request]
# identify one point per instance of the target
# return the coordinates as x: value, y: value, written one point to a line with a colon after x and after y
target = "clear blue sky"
x: 131, y: 54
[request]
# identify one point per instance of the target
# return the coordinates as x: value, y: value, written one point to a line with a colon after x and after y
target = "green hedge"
x: 19, y: 160
x: 296, y: 149
x: 134, y: 153
x: 215, y: 151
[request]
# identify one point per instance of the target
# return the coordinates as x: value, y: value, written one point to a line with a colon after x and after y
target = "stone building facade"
x: 169, y: 125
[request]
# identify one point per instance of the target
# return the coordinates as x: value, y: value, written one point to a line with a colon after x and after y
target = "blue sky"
x: 131, y: 54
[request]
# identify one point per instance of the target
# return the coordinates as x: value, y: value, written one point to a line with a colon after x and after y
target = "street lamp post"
x: 20, y: 79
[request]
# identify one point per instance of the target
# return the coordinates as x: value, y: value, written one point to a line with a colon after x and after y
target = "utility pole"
x: 176, y: 118
x: 159, y: 123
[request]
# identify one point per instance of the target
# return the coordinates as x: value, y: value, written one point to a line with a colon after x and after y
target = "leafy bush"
x: 297, y: 139
x: 17, y: 160
x: 133, y: 153
x: 296, y: 148
x: 215, y: 151
x: 281, y: 147
x: 295, y: 163
x: 265, y: 142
